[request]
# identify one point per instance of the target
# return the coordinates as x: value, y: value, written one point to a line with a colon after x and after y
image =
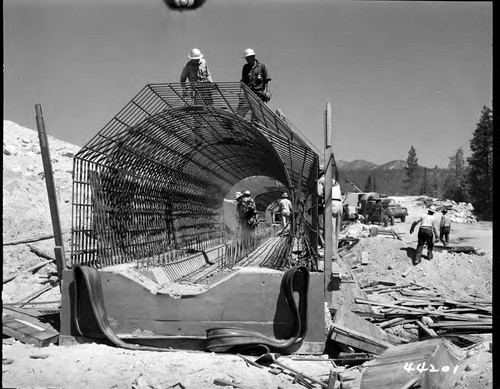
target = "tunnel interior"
x: 151, y: 184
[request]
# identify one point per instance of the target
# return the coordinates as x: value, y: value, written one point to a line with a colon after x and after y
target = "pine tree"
x: 369, y: 184
x: 411, y: 170
x: 424, y: 187
x: 435, y: 182
x: 455, y: 180
x: 480, y: 175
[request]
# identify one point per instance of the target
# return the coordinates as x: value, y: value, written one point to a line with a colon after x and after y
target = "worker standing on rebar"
x: 285, y: 207
x: 248, y: 219
x: 254, y: 74
x: 337, y: 209
x: 427, y: 233
x: 196, y: 71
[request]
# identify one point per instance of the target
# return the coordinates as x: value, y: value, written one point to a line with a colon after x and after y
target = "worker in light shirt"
x: 427, y: 234
x: 337, y: 209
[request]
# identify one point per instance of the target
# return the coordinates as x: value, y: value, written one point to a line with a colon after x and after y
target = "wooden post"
x: 51, y: 191
x: 328, y: 204
x: 314, y: 215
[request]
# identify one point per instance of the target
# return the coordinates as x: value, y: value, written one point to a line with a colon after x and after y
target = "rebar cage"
x: 151, y: 184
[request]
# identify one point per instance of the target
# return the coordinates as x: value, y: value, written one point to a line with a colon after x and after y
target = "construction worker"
x: 248, y: 219
x: 444, y: 228
x: 254, y: 74
x: 427, y: 233
x: 285, y: 206
x: 196, y: 71
x: 238, y: 196
x: 337, y: 209
x: 376, y: 211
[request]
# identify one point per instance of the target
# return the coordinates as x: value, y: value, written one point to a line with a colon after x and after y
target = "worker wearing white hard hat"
x: 255, y: 75
x: 427, y: 234
x: 197, y: 72
x: 285, y: 208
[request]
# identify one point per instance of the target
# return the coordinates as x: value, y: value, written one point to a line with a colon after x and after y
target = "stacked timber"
x: 431, y: 314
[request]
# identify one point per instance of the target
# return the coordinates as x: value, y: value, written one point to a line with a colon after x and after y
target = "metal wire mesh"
x: 150, y: 186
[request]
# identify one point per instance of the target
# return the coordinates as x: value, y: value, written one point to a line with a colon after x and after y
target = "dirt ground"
x: 26, y: 214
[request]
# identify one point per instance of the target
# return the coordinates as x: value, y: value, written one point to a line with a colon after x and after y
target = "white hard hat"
x: 237, y: 195
x: 195, y: 54
x: 432, y: 208
x: 284, y: 194
x: 248, y: 53
x: 246, y: 193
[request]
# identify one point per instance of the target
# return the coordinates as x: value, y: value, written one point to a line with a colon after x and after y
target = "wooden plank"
x: 364, y: 258
x: 472, y: 306
x: 455, y: 324
x: 387, y: 283
x: 427, y: 330
x: 31, y: 269
x: 359, y: 340
x: 27, y: 334
x: 41, y: 253
x: 398, y: 364
x: 344, y: 317
x: 28, y: 240
x: 416, y: 310
x: 391, y: 322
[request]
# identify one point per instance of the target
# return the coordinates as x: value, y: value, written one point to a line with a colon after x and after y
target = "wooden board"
x: 350, y: 337
x: 346, y: 318
x: 398, y: 364
x: 26, y: 333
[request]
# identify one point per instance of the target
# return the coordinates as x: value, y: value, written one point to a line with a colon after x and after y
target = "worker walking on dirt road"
x: 196, y: 71
x: 285, y: 210
x: 427, y: 233
x: 444, y: 228
x: 254, y: 74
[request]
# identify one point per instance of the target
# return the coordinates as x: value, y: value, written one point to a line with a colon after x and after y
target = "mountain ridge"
x: 362, y: 164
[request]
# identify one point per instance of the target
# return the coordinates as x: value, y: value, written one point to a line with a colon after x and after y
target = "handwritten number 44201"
x: 421, y: 367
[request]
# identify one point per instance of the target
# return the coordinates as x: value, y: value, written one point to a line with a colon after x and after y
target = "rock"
x: 68, y: 154
x: 9, y: 150
x: 471, y: 367
x: 471, y: 353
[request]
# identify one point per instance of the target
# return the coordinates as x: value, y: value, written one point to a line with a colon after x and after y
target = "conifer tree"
x: 480, y: 174
x: 455, y: 181
x: 411, y: 169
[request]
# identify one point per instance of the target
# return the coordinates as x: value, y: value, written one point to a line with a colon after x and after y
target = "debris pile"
x: 458, y: 212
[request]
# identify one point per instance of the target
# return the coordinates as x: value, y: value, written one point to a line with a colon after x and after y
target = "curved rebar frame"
x: 151, y: 184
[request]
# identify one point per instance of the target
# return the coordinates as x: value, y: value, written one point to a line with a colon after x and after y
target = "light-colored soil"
x: 26, y: 214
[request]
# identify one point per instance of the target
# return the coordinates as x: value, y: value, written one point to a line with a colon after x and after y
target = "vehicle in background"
x: 394, y: 210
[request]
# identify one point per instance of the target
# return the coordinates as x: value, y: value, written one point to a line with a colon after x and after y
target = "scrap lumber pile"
x: 428, y: 313
x: 406, y: 325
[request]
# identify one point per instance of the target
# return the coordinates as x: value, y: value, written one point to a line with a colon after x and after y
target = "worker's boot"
x: 429, y: 255
x: 418, y: 255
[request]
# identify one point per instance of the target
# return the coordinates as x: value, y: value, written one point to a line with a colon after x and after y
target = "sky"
x: 397, y: 74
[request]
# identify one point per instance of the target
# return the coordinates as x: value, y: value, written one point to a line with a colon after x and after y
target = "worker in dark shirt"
x: 256, y: 77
